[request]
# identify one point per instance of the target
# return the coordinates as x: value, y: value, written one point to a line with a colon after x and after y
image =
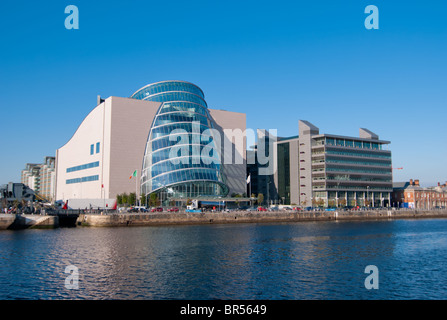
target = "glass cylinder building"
x: 181, y: 159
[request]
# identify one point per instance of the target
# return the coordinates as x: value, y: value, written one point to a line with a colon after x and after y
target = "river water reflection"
x: 304, y: 260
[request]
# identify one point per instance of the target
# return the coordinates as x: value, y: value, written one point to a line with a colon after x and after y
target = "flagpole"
x: 249, y: 188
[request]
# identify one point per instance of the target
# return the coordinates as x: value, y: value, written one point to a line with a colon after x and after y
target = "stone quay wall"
x: 179, y: 218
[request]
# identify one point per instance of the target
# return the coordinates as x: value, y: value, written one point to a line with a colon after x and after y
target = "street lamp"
x: 367, y: 194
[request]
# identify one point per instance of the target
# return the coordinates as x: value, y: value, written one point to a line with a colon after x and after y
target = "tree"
x: 153, y: 200
x: 260, y: 198
x: 125, y: 199
x: 320, y: 202
x: 132, y: 198
x: 119, y: 199
x: 143, y: 199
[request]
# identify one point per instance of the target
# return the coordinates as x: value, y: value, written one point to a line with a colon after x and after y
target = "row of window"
x: 352, y: 143
x: 183, y: 163
x: 190, y: 190
x: 92, y: 148
x: 183, y: 175
x: 184, y: 107
x: 347, y: 178
x: 83, y: 167
x: 167, y: 86
x: 177, y: 96
x: 367, y: 163
x: 206, y: 152
x: 181, y: 117
x: 355, y: 170
x: 354, y: 154
x: 180, y: 139
x: 352, y: 187
x: 83, y: 179
x: 177, y: 128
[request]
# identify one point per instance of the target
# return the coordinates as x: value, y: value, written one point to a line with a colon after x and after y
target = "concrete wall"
x: 306, y: 131
x: 229, y: 123
x: 131, y: 122
x: 24, y: 221
x: 121, y: 126
x: 77, y: 152
x: 294, y: 172
x: 126, y: 219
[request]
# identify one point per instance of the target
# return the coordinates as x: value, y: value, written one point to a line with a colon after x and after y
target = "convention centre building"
x: 162, y: 139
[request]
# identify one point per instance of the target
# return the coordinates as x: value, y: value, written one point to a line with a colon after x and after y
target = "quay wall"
x: 178, y: 218
x: 25, y: 221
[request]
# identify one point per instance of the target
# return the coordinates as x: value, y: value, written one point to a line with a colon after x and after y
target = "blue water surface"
x: 283, y: 261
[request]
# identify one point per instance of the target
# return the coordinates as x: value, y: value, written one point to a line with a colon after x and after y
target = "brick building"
x: 412, y: 195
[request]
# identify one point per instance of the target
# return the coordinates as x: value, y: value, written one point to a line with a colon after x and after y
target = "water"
x: 305, y: 260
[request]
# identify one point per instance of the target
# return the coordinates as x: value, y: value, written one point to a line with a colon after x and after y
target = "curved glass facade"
x: 177, y: 162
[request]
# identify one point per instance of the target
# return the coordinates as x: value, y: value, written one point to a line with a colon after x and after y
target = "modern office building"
x: 41, y: 178
x: 260, y: 167
x: 163, y: 139
x: 330, y: 170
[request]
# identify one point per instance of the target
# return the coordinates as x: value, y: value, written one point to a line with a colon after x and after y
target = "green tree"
x: 320, y: 202
x: 143, y: 200
x: 153, y: 200
x: 260, y: 198
x: 132, y: 198
x: 119, y: 199
x: 125, y: 199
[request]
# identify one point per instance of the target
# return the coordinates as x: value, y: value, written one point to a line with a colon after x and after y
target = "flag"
x: 65, y: 207
x: 134, y: 174
x: 248, y: 178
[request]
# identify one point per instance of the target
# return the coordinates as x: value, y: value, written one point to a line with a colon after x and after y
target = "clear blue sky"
x: 276, y: 61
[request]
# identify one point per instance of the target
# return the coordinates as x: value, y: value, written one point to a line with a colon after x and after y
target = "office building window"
x: 97, y: 147
x: 83, y: 179
x: 92, y: 148
x: 83, y: 166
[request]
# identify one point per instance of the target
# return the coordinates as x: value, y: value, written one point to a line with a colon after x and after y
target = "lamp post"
x: 367, y: 194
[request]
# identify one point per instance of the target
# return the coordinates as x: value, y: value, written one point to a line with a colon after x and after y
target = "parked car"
x: 159, y: 209
x: 173, y: 210
x: 262, y: 209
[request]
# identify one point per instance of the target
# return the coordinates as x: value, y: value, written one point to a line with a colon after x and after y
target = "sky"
x: 277, y: 61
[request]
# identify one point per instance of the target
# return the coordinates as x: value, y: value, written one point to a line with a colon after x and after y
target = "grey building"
x: 330, y: 170
x: 14, y: 191
x: 260, y: 167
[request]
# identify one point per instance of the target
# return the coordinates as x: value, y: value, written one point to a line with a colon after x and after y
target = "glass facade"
x: 284, y: 172
x: 351, y: 172
x: 181, y: 159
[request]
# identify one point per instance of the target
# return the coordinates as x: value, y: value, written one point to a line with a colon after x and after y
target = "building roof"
x: 400, y: 185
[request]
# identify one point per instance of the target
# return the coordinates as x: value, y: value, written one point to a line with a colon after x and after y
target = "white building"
x: 98, y: 162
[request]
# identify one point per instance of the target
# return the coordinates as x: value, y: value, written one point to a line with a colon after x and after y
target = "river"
x: 285, y: 261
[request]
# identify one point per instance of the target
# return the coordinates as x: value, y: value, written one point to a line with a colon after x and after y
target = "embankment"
x: 163, y: 218
x: 25, y: 221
